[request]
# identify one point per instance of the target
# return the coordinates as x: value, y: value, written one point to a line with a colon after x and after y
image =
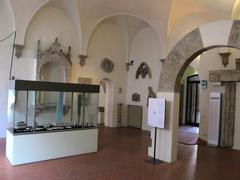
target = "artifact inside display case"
x: 36, y: 106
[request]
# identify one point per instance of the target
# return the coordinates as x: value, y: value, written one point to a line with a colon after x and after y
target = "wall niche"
x: 53, y: 65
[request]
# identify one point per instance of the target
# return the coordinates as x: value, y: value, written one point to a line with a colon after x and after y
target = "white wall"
x: 211, y: 61
x: 7, y: 27
x: 108, y: 42
x: 144, y: 48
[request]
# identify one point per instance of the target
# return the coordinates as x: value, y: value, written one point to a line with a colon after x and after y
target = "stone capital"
x: 82, y: 58
x: 18, y: 50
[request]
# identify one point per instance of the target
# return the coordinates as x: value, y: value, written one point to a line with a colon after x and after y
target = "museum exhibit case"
x: 48, y: 120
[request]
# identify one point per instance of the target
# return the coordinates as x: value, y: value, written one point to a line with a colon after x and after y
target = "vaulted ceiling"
x: 169, y: 18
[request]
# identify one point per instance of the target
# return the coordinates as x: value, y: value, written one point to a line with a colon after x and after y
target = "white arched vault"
x: 69, y: 7
x: 217, y: 34
x: 101, y: 20
x: 29, y: 8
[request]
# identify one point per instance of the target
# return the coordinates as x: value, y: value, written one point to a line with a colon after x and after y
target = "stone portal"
x: 228, y: 78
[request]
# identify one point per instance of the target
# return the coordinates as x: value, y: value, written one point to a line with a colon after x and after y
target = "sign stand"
x: 154, y: 161
x: 156, y: 119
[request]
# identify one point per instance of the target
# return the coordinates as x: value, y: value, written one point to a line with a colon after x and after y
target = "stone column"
x: 238, y: 64
x: 228, y: 119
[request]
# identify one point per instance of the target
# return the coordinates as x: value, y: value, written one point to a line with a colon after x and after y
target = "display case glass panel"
x: 48, y: 106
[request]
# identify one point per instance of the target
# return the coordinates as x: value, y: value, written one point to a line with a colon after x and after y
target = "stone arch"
x: 54, y: 54
x: 193, y: 44
x: 54, y: 58
x: 217, y: 34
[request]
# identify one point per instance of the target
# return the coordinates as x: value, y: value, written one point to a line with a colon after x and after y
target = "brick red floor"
x: 121, y: 156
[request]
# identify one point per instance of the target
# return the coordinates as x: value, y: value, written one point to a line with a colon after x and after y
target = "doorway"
x: 135, y: 116
x: 189, y: 114
x: 105, y: 106
x: 193, y: 110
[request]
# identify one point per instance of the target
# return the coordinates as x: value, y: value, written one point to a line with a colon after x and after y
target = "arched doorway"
x: 206, y: 37
x: 189, y: 111
x: 105, y: 116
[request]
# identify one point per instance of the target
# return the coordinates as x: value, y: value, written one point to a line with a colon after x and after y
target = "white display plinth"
x: 33, y: 147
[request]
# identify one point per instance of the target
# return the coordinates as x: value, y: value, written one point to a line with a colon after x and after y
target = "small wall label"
x: 204, y: 84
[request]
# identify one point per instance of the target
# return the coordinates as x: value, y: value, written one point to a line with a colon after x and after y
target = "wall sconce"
x: 129, y: 64
x: 225, y: 58
x: 82, y: 58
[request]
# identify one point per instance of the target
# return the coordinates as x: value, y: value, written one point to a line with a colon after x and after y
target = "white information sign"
x: 156, y: 112
x: 214, y: 118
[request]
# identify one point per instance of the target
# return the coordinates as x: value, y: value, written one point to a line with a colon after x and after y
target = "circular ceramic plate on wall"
x: 107, y: 65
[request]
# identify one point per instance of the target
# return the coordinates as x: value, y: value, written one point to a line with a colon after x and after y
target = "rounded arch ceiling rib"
x: 78, y: 30
x: 99, y: 21
x: 11, y: 12
x: 25, y: 25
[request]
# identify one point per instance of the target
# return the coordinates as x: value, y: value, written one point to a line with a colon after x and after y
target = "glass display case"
x: 37, y: 106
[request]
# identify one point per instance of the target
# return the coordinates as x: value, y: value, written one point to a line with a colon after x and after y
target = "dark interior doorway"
x: 135, y: 116
x: 193, y: 110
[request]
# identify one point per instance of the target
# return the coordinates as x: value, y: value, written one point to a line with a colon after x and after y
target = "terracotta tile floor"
x: 121, y: 156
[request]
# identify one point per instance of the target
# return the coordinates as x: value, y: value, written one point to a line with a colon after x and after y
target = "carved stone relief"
x: 136, y: 97
x: 54, y: 54
x: 143, y: 70
x: 18, y: 50
x: 107, y: 65
x: 151, y: 94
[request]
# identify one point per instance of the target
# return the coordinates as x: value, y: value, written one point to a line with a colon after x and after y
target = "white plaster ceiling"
x: 215, y: 9
x: 186, y: 15
x: 129, y: 26
x: 130, y: 23
x: 69, y: 7
x: 236, y: 10
x: 162, y: 15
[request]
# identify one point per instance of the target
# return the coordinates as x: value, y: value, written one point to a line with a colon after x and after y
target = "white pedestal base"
x: 27, y: 148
